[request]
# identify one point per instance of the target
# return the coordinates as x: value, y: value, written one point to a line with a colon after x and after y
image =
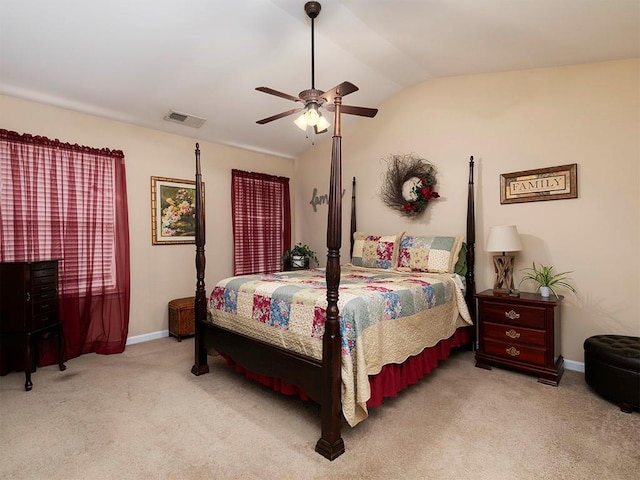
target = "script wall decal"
x: 321, y: 199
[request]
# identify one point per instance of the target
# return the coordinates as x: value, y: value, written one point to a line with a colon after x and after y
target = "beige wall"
x: 587, y: 114
x: 158, y: 273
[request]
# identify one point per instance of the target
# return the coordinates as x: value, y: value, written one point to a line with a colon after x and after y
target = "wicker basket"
x: 182, y: 317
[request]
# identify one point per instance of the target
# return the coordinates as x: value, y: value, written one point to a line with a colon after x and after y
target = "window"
x: 59, y: 204
x: 261, y: 216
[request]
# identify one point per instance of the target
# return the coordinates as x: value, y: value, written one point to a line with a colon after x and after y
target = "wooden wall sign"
x: 552, y: 183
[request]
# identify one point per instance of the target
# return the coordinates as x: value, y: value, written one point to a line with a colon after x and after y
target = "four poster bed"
x: 338, y: 335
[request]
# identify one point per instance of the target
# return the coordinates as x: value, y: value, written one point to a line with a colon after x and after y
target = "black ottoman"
x: 612, y: 369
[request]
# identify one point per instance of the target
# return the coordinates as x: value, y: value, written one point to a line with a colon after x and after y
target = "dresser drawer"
x: 50, y: 279
x: 44, y: 320
x: 44, y: 292
x: 515, y: 351
x: 42, y: 308
x: 45, y: 265
x: 524, y: 315
x: 44, y: 271
x: 515, y: 334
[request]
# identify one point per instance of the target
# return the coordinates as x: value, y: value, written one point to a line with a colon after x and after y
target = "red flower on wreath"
x: 422, y: 192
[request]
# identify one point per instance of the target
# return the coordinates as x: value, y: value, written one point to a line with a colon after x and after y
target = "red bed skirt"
x: 392, y: 378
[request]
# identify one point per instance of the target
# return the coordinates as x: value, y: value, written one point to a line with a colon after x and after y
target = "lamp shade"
x: 504, y: 238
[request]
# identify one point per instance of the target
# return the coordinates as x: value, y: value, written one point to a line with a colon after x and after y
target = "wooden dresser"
x: 28, y: 309
x: 522, y: 333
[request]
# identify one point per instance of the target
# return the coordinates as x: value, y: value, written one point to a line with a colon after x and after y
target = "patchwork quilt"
x: 386, y: 316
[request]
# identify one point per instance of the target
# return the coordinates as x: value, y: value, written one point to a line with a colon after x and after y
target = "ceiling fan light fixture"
x: 308, y: 119
x: 301, y: 123
x: 323, y: 124
x: 312, y: 116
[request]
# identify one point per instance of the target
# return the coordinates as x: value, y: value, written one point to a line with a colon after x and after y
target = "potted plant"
x: 299, y: 256
x: 547, y: 279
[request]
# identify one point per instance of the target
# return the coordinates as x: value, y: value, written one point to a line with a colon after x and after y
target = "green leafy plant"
x: 301, y: 250
x: 545, y: 277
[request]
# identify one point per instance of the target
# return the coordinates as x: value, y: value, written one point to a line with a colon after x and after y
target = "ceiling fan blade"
x: 362, y: 111
x: 271, y: 91
x: 345, y: 88
x: 279, y: 115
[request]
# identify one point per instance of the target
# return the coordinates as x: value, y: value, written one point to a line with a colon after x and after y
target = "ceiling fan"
x: 313, y: 99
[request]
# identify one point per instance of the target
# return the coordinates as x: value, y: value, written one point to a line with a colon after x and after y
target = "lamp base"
x: 504, y: 274
x: 501, y: 291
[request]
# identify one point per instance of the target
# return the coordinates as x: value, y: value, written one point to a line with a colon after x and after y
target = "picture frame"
x: 173, y: 206
x: 551, y: 183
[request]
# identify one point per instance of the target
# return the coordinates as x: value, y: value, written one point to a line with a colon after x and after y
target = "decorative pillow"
x: 461, y: 264
x: 375, y: 251
x: 429, y: 254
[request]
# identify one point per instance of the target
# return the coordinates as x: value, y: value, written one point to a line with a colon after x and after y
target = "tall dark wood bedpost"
x: 353, y: 216
x: 471, y: 246
x: 200, y: 365
x: 330, y: 444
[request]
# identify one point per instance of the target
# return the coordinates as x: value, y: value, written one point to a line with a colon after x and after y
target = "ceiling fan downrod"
x: 313, y: 10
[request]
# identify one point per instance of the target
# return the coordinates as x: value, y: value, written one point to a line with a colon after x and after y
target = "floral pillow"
x: 375, y: 251
x: 429, y: 254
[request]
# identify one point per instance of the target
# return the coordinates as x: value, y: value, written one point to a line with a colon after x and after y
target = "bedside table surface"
x: 524, y: 297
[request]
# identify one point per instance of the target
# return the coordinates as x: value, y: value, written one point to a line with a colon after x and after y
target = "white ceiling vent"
x: 185, y: 119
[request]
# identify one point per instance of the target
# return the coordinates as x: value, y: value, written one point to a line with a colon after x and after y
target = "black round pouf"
x: 612, y: 369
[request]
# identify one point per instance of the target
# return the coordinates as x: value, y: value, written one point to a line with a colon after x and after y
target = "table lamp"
x: 503, y: 238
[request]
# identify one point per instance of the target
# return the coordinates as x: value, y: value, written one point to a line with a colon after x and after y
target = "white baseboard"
x: 147, y: 337
x: 575, y: 366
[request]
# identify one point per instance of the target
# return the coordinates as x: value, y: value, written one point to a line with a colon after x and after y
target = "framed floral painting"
x: 173, y: 207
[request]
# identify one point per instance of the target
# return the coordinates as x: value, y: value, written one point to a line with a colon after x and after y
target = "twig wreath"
x: 408, y: 184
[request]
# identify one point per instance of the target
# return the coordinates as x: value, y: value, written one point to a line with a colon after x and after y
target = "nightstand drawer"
x: 515, y: 351
x: 515, y: 334
x: 525, y: 315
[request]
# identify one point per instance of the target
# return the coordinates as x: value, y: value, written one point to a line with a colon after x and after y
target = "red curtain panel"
x: 69, y: 202
x: 261, y: 215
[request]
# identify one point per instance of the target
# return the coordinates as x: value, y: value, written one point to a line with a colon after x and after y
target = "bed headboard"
x: 470, y: 237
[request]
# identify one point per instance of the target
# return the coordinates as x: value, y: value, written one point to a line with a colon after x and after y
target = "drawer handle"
x: 44, y: 306
x: 513, y: 351
x: 512, y: 333
x: 511, y: 315
x: 28, y: 297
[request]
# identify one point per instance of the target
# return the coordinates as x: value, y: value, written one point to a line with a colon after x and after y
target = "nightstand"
x: 521, y: 333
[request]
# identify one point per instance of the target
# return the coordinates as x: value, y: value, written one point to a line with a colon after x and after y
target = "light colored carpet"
x: 143, y: 415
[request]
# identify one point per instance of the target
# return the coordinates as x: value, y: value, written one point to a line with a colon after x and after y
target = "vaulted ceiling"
x: 134, y: 61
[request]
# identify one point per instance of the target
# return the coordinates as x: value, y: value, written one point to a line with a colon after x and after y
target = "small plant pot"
x: 545, y: 292
x: 298, y: 261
